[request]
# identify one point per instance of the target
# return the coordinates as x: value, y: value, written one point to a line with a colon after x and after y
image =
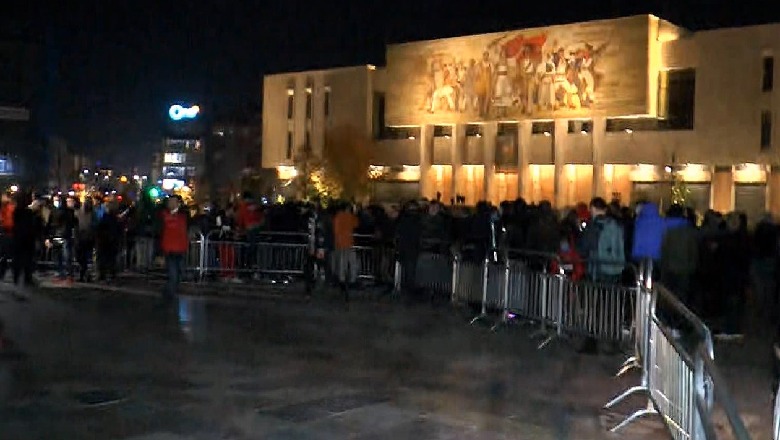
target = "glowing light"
x: 547, y: 133
x: 14, y: 188
x: 411, y: 138
x: 178, y: 112
x: 123, y: 179
x: 584, y: 132
x: 290, y: 92
x: 668, y: 169
x: 370, y: 67
x: 169, y: 184
x: 154, y: 193
x: 629, y: 131
x: 86, y: 171
x: 749, y: 173
x: 286, y: 172
x: 479, y: 135
x: 71, y: 193
x: 136, y: 177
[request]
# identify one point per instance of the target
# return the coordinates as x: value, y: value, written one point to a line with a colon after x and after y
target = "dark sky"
x: 118, y: 64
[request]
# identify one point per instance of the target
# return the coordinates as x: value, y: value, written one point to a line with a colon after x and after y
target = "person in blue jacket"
x: 649, y: 231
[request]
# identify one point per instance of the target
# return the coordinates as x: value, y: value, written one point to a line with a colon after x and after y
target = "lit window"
x: 174, y: 158
x: 290, y: 103
x: 308, y: 103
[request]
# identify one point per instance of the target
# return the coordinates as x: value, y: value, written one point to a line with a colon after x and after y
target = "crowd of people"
x: 711, y: 262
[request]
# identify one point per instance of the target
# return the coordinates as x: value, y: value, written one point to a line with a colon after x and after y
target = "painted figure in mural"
x: 484, y: 82
x: 545, y: 73
x: 470, y: 99
x: 516, y: 73
x: 502, y: 91
x: 442, y: 86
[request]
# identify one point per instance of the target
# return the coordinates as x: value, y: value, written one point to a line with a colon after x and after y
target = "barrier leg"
x: 483, y: 313
x: 505, y: 312
x: 543, y: 331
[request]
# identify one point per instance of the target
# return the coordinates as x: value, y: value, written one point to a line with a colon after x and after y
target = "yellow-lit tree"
x: 341, y: 172
x: 347, y: 155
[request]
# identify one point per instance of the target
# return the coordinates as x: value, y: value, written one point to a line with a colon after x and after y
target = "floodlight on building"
x: 629, y: 131
x: 547, y: 133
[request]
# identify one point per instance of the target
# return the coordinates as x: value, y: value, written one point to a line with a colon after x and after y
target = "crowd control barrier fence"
x: 678, y: 374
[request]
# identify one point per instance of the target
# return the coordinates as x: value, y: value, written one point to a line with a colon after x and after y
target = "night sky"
x: 116, y: 65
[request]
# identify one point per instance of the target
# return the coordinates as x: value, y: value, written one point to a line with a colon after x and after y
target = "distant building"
x: 65, y: 166
x: 181, y: 161
x: 20, y: 80
x: 622, y: 109
x: 234, y: 154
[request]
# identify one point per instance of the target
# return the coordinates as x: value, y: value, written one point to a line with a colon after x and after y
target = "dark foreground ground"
x: 112, y: 365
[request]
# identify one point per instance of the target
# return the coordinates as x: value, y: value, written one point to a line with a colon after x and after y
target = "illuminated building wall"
x: 655, y: 103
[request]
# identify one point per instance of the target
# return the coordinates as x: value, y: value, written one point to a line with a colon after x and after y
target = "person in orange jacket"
x: 174, y: 242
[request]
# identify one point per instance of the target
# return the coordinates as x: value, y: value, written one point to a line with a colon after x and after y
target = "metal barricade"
x: 434, y: 273
x: 679, y: 375
x: 776, y: 416
x: 375, y: 259
x: 600, y: 310
x: 263, y: 253
x: 466, y: 281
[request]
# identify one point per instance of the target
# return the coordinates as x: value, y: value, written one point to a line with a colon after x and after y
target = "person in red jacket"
x: 174, y: 242
x: 6, y: 231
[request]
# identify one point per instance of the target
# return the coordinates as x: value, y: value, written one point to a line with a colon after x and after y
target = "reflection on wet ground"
x: 108, y: 366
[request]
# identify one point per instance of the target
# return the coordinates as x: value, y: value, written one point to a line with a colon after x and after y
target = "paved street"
x: 113, y: 365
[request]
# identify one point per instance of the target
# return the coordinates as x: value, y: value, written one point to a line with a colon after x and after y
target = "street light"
x: 14, y: 188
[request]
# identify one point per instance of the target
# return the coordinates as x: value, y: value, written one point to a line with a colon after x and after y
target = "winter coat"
x: 175, y: 238
x: 680, y: 248
x: 648, y: 233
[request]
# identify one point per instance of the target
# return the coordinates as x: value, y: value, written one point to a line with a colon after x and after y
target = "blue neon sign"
x: 178, y: 112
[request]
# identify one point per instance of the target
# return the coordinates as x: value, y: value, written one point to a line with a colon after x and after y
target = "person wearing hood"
x: 649, y: 230
x: 679, y: 253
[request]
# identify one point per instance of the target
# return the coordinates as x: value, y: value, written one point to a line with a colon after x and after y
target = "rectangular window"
x: 379, y: 115
x: 768, y: 78
x: 290, y: 103
x: 327, y: 101
x: 173, y: 158
x: 766, y: 129
x: 307, y: 141
x: 308, y: 103
x: 677, y: 90
x: 289, y: 145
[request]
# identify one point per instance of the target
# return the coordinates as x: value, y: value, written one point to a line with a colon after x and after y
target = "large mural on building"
x: 560, y: 71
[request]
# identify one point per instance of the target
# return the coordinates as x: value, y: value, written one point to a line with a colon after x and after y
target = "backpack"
x: 610, y: 251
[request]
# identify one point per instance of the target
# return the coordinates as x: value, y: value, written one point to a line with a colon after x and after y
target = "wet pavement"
x: 111, y: 365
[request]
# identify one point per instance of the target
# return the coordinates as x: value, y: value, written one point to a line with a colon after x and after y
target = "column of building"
x: 524, y: 181
x: 597, y: 139
x: 489, y: 133
x: 458, y: 150
x: 560, y: 130
x: 426, y: 159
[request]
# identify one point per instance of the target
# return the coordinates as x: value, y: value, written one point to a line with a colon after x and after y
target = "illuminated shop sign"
x: 178, y: 112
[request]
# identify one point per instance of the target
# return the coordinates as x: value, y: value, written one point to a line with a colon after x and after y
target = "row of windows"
x: 309, y: 91
x: 309, y: 104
